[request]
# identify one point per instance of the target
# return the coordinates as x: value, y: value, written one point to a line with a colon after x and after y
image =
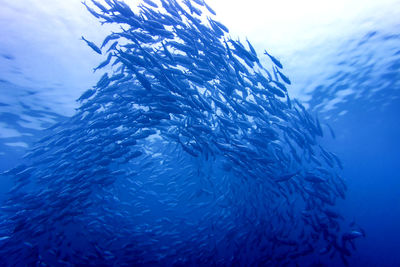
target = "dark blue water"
x: 199, y: 192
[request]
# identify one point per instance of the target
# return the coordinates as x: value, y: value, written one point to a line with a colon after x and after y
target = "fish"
x: 100, y: 6
x: 209, y: 9
x: 182, y: 145
x: 92, y: 45
x: 219, y: 25
x: 253, y: 51
x: 151, y: 3
x: 104, y: 63
x: 352, y: 235
x: 274, y: 60
x: 109, y: 38
x: 94, y: 13
x: 283, y: 77
x: 113, y: 46
x: 87, y: 94
x: 285, y: 177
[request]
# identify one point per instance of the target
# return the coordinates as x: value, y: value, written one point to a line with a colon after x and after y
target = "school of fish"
x: 188, y: 153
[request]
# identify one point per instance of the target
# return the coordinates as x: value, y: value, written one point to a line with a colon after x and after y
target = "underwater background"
x: 197, y: 189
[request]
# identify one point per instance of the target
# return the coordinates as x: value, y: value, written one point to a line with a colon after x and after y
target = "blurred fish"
x: 274, y: 60
x: 92, y: 45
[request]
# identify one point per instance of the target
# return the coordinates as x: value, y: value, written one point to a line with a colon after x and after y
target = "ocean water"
x: 195, y: 155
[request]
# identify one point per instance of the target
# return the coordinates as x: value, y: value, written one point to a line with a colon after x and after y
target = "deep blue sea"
x: 192, y: 144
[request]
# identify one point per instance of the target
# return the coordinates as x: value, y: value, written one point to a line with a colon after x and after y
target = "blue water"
x: 166, y: 198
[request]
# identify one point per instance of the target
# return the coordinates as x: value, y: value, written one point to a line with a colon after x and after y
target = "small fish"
x: 109, y: 38
x: 100, y: 6
x: 151, y: 3
x: 104, y: 63
x: 331, y: 131
x: 314, y: 178
x: 92, y: 45
x: 285, y: 177
x: 352, y: 235
x: 283, y: 76
x: 209, y: 9
x: 276, y: 61
x: 199, y: 2
x: 220, y: 25
x: 143, y: 80
x: 253, y: 51
x: 94, y: 13
x: 87, y: 94
x: 113, y: 46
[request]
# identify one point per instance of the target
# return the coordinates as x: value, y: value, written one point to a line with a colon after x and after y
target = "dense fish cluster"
x: 190, y: 152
